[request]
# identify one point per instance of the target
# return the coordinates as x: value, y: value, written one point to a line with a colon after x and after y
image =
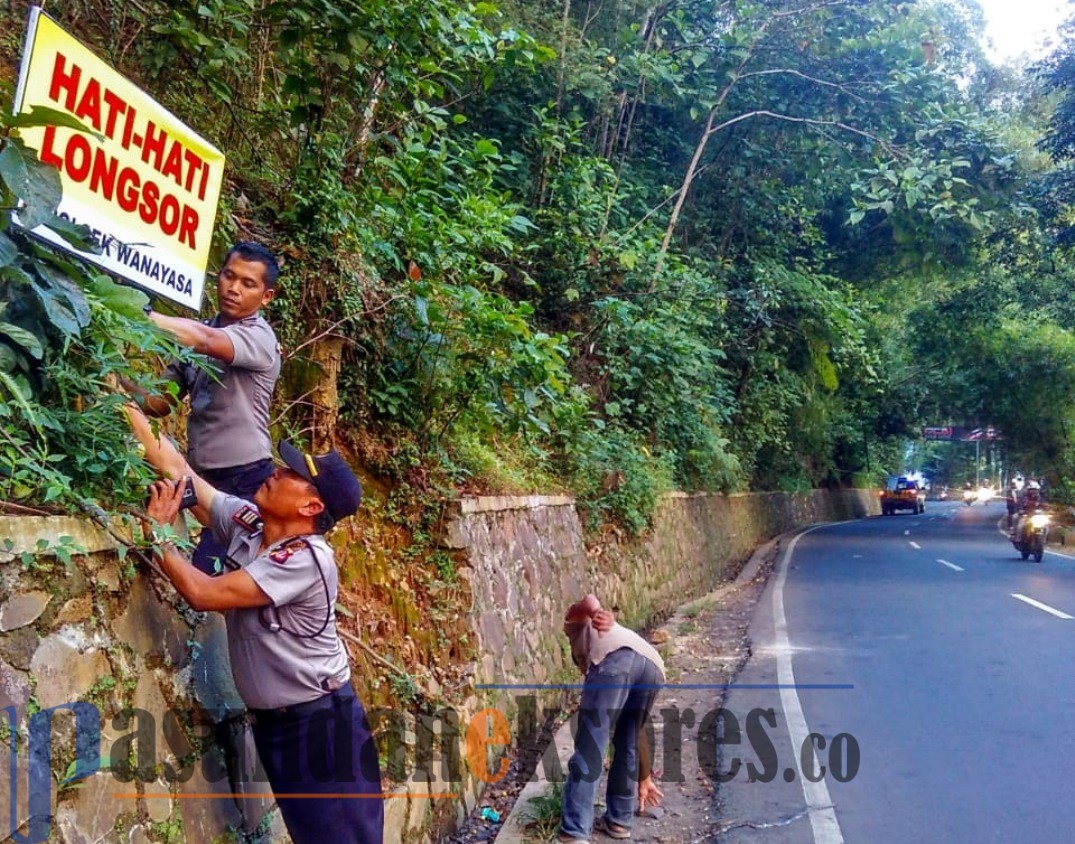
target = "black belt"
x: 340, y: 695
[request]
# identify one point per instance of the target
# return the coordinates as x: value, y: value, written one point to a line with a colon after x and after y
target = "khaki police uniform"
x: 291, y: 670
x: 229, y: 410
x: 228, y: 441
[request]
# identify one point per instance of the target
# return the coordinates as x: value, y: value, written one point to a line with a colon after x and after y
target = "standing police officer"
x: 279, y: 599
x: 228, y: 440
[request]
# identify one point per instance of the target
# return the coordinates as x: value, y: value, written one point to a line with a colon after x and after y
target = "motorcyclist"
x: 1030, y: 501
x: 1012, y: 500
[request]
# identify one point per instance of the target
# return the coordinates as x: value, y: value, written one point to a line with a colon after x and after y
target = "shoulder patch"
x: 248, y: 519
x: 287, y: 550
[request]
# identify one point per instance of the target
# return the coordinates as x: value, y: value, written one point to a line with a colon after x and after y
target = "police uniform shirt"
x: 279, y: 668
x: 229, y: 414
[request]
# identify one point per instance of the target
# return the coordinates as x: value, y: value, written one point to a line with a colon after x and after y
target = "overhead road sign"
x: 146, y: 184
x: 959, y: 433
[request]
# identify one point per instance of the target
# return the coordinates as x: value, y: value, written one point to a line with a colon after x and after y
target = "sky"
x: 1022, y: 26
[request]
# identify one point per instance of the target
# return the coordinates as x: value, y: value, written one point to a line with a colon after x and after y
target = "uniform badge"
x: 248, y: 519
x: 285, y: 552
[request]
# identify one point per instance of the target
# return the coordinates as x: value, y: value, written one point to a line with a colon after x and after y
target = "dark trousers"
x: 242, y: 481
x: 323, y: 754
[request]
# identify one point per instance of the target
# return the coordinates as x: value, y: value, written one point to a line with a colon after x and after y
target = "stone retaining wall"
x: 529, y: 563
x: 97, y: 631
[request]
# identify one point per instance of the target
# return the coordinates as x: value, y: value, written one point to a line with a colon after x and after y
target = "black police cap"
x: 337, y: 485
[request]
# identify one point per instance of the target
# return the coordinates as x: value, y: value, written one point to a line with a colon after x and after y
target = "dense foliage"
x: 614, y: 249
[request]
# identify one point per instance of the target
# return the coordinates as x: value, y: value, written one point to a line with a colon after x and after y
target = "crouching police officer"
x: 278, y: 600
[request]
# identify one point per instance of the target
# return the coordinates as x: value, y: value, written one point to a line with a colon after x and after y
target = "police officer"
x: 228, y: 427
x: 278, y: 600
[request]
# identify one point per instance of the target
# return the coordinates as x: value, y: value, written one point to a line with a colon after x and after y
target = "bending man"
x: 623, y: 674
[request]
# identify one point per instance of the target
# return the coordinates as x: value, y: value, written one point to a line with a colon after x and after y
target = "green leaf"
x: 9, y: 361
x: 45, y: 116
x: 8, y: 250
x: 58, y: 312
x: 20, y: 392
x: 125, y: 301
x: 421, y: 307
x: 76, y: 234
x: 23, y: 338
x: 70, y: 291
x: 36, y: 184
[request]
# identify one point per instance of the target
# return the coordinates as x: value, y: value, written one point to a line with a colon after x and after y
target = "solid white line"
x: 818, y: 802
x: 952, y: 566
x: 1042, y: 606
x: 916, y: 545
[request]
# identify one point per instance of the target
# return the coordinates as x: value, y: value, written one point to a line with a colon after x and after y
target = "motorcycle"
x: 969, y: 496
x: 1035, y: 532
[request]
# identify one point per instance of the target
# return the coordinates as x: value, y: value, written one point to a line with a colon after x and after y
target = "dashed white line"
x: 916, y: 545
x: 952, y: 566
x: 1041, y: 606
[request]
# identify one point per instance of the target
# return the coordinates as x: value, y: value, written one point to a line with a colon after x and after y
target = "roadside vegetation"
x: 604, y: 249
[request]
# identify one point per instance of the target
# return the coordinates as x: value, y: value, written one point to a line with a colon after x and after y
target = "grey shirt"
x: 274, y: 669
x: 229, y: 417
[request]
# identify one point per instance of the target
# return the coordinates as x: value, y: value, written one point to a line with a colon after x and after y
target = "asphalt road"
x: 954, y: 700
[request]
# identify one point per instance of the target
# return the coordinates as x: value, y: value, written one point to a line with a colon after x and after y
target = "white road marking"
x: 1041, y: 606
x: 906, y: 533
x: 952, y: 566
x: 916, y: 545
x: 818, y: 802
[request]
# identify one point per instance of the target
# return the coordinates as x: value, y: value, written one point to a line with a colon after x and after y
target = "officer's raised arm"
x: 162, y: 454
x: 202, y: 338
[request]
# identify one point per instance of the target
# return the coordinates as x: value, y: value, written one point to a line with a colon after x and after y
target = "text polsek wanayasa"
x: 114, y: 117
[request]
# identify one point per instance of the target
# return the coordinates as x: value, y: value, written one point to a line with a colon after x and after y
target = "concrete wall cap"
x: 25, y: 531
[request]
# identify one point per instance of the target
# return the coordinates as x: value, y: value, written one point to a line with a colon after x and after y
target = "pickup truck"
x: 902, y: 494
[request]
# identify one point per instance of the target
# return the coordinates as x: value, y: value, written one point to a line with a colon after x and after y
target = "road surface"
x: 939, y: 666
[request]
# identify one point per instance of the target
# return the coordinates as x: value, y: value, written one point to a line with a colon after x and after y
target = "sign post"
x: 145, y: 183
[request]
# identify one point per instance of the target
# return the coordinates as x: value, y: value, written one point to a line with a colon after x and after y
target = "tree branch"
x: 790, y: 72
x: 809, y: 121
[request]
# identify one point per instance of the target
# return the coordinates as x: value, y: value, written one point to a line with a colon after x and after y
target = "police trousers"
x: 321, y: 761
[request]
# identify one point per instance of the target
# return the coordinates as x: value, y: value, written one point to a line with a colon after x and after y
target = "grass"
x: 503, y: 467
x: 544, y: 812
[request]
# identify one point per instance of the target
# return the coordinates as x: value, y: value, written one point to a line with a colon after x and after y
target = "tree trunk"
x: 326, y: 354
x: 684, y: 189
